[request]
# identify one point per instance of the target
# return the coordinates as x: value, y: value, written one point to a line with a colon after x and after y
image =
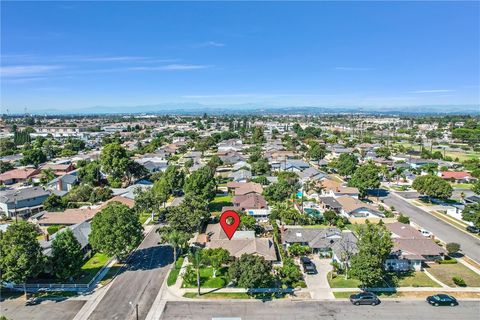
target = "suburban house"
x: 411, y: 248
x: 249, y: 201
x: 319, y: 239
x: 22, y: 202
x: 352, y: 207
x: 329, y: 203
x: 59, y: 168
x: 240, y: 188
x: 63, y: 184
x: 18, y: 175
x: 242, y: 242
x: 457, y: 176
x: 66, y: 218
x: 81, y: 231
x: 241, y: 175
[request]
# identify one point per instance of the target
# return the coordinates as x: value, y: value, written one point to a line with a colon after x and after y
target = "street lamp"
x: 136, y: 308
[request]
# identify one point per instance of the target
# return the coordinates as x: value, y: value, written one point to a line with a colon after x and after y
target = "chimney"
x: 59, y: 184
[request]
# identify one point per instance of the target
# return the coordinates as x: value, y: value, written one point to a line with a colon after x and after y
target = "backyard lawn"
x: 207, y: 280
x: 445, y: 273
x: 91, y: 267
x: 219, y: 202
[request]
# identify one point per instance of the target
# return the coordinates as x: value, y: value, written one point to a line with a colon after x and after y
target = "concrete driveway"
x: 317, y: 283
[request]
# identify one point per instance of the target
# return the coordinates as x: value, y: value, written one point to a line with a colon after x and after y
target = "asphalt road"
x: 311, y: 310
x: 139, y: 284
x: 51, y: 310
x: 469, y: 244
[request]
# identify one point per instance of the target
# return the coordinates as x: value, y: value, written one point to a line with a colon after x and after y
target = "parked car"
x: 425, y: 233
x: 442, y: 300
x: 364, y: 298
x: 473, y: 229
x: 308, y: 266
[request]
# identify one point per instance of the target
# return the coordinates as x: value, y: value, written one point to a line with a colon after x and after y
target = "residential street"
x: 303, y: 310
x: 470, y: 246
x: 51, y: 310
x: 139, y: 284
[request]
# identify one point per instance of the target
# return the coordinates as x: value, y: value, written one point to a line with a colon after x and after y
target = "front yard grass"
x: 92, y: 266
x: 414, y: 279
x: 219, y: 202
x: 173, y: 275
x: 445, y: 273
x: 207, y: 280
x: 218, y: 295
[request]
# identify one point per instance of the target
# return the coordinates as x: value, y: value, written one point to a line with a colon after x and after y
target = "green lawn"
x: 445, y: 273
x: 173, y: 275
x: 340, y: 282
x: 414, y: 279
x: 461, y: 185
x: 144, y: 216
x: 91, y: 267
x: 208, y: 281
x: 219, y: 202
x: 112, y: 273
x: 218, y: 295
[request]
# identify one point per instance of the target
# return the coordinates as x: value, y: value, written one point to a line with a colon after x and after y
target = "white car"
x: 425, y: 233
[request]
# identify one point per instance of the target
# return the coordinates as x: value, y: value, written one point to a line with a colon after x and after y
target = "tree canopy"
x: 251, y: 271
x: 365, y: 177
x: 116, y: 230
x: 433, y: 186
x: 346, y: 164
x: 67, y: 255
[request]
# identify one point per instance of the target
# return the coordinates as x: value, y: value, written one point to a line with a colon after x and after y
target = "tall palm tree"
x: 176, y: 239
x: 197, y: 259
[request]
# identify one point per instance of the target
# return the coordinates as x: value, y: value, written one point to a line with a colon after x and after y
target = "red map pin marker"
x: 232, y: 227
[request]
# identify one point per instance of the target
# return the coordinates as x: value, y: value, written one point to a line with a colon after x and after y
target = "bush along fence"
x: 76, y: 287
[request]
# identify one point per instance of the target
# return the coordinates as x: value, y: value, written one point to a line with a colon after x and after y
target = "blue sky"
x: 69, y: 55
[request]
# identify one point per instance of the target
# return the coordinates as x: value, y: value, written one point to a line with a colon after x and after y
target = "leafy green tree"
x: 100, y: 194
x: 5, y: 166
x: 374, y: 246
x: 261, y: 167
x: 116, y: 230
x: 189, y: 215
x: 279, y: 191
x: 261, y: 179
x: 257, y: 135
x: 161, y: 190
x: 216, y: 257
x: 251, y: 271
x: 317, y: 151
x: 346, y: 164
x: 289, y: 273
x: 247, y: 222
x: 34, y: 157
x: 215, y: 162
x: 90, y: 173
x: 433, y: 186
x: 297, y: 249
x: 176, y: 239
x: 115, y: 161
x: 47, y: 175
x: 53, y: 203
x: 476, y: 187
x: 201, y: 183
x: 471, y: 213
x: 330, y: 216
x: 365, y: 177
x: 67, y: 255
x: 383, y: 152
x: 21, y: 256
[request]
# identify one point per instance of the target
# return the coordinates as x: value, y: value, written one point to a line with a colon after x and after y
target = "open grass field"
x: 445, y: 273
x: 462, y: 155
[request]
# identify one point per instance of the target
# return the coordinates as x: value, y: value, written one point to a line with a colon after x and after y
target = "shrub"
x: 403, y: 219
x: 448, y: 260
x: 452, y: 247
x: 53, y: 229
x: 459, y: 281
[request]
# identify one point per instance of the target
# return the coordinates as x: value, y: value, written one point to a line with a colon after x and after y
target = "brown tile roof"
x: 402, y: 230
x: 250, y: 201
x: 350, y: 204
x: 249, y: 187
x: 263, y: 247
x: 67, y: 217
x: 18, y: 174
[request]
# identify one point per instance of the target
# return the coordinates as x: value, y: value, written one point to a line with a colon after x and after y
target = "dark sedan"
x: 442, y: 300
x: 364, y: 298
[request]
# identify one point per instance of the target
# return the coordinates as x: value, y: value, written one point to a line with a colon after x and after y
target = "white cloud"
x: 21, y: 70
x: 432, y: 91
x: 210, y: 44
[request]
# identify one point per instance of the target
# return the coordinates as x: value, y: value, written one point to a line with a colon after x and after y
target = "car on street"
x: 442, y: 300
x: 425, y: 233
x: 473, y: 229
x: 308, y: 266
x: 364, y: 298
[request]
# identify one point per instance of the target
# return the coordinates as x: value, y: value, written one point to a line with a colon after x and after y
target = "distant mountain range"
x: 251, y: 108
